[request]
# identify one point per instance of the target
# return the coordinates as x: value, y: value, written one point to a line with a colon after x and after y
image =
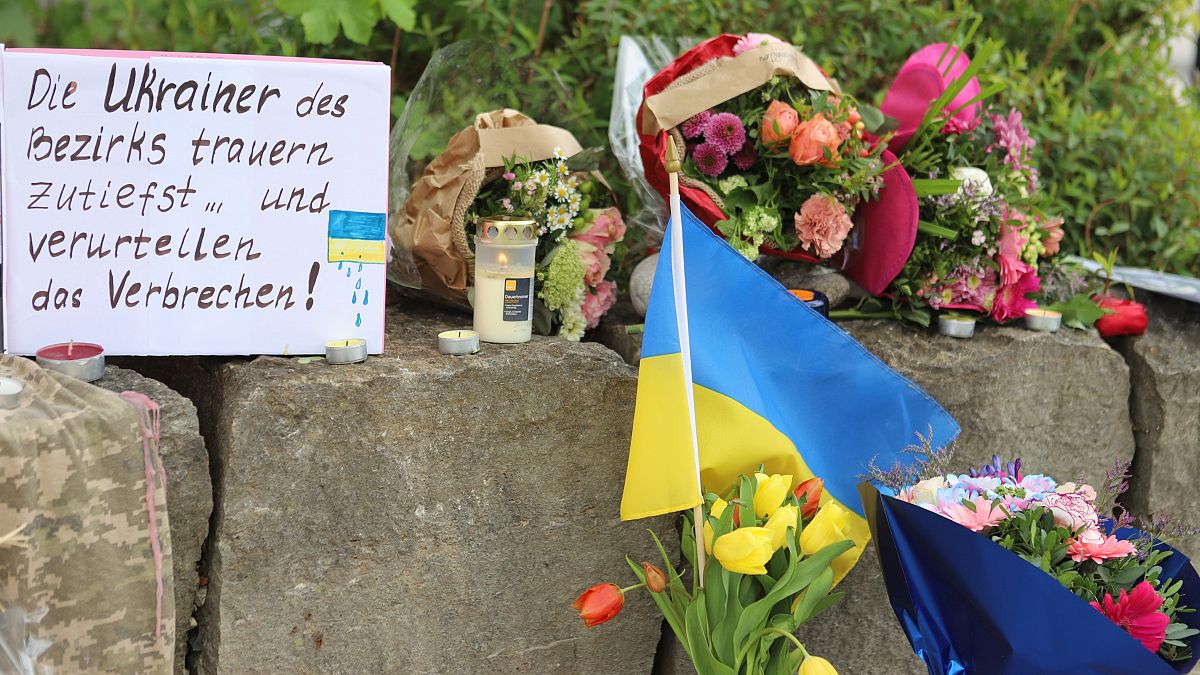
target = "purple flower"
x: 725, y: 131
x: 710, y: 160
x: 746, y: 157
x: 508, y: 175
x: 694, y: 126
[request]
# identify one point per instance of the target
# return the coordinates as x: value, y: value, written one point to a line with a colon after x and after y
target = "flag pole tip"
x: 673, y: 162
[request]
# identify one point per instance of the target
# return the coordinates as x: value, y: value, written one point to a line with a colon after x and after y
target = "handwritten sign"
x: 186, y: 204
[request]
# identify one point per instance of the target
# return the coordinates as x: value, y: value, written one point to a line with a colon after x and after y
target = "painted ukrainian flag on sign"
x: 774, y: 383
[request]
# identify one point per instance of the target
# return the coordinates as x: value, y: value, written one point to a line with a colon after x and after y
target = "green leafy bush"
x: 1117, y: 149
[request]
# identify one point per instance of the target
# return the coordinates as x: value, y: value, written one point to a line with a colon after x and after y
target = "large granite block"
x: 420, y: 513
x: 1165, y: 367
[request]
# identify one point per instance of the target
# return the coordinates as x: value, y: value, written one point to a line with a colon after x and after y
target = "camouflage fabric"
x: 73, y: 472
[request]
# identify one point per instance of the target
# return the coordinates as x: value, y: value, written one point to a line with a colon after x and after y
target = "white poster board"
x: 192, y: 204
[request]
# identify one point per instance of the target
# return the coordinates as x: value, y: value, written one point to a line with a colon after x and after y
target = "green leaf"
x: 1079, y: 311
x: 402, y: 13
x: 699, y: 647
x: 816, y: 592
x: 873, y: 118
x: 932, y: 187
x: 322, y: 18
x: 797, y: 578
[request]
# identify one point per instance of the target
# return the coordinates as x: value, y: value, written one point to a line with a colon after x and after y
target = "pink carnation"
x: 1071, y: 510
x: 1093, y: 545
x: 822, y: 225
x: 754, y: 41
x: 596, y: 304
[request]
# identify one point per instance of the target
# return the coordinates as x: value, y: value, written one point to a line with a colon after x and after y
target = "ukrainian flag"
x: 357, y: 237
x: 773, y: 382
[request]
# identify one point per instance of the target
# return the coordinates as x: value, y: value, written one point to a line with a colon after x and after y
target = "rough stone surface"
x: 613, y: 332
x: 422, y: 513
x: 1058, y: 400
x: 794, y: 274
x: 640, y: 282
x: 189, y: 488
x: 1165, y: 370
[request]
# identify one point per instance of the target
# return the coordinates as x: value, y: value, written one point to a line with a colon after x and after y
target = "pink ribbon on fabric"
x: 149, y: 420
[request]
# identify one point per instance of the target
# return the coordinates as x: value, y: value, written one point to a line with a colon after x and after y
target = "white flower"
x: 573, y: 323
x: 575, y: 202
x: 562, y: 168
x: 925, y: 492
x: 573, y: 182
x: 977, y: 238
x: 558, y: 151
x: 561, y: 192
x: 540, y: 177
x: 980, y: 183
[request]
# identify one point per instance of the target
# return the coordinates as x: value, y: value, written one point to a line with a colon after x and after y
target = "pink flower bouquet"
x: 1001, y: 571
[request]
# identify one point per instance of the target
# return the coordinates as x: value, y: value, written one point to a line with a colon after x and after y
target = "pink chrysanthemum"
x: 710, y: 160
x: 745, y: 158
x: 1094, y: 546
x: 1137, y: 613
x: 695, y: 125
x: 725, y: 130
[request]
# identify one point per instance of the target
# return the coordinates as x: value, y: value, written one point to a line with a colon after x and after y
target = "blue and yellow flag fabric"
x: 774, y: 383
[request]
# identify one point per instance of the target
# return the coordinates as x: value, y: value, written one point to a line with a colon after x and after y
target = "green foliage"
x: 1116, y: 145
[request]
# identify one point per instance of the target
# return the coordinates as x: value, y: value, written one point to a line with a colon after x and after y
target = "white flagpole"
x: 673, y: 166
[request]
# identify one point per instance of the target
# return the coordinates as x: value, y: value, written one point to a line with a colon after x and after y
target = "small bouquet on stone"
x: 575, y: 241
x: 778, y: 158
x: 550, y: 179
x: 772, y: 555
x: 981, y: 237
x: 1002, y: 571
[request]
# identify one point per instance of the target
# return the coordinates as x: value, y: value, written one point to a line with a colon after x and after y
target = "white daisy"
x: 561, y: 192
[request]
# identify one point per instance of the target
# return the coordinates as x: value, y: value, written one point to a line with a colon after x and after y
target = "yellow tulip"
x: 815, y: 665
x: 745, y: 550
x: 770, y: 493
x: 717, y: 508
x: 779, y: 522
x: 831, y: 525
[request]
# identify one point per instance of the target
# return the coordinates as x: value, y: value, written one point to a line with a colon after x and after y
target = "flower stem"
x: 859, y: 314
x: 633, y: 588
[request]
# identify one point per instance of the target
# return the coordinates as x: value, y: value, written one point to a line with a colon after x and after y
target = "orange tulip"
x: 808, y: 494
x: 599, y: 604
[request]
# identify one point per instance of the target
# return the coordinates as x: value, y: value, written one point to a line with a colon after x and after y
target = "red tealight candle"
x: 81, y: 360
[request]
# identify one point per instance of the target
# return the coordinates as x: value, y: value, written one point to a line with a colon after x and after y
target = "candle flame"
x: 502, y: 259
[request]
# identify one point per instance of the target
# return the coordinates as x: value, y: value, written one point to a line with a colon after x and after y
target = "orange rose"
x: 778, y: 124
x: 811, y: 139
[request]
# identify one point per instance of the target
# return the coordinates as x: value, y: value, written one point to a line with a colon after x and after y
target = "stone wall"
x: 422, y: 513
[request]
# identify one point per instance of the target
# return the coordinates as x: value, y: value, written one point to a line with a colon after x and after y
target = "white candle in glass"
x: 505, y: 255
